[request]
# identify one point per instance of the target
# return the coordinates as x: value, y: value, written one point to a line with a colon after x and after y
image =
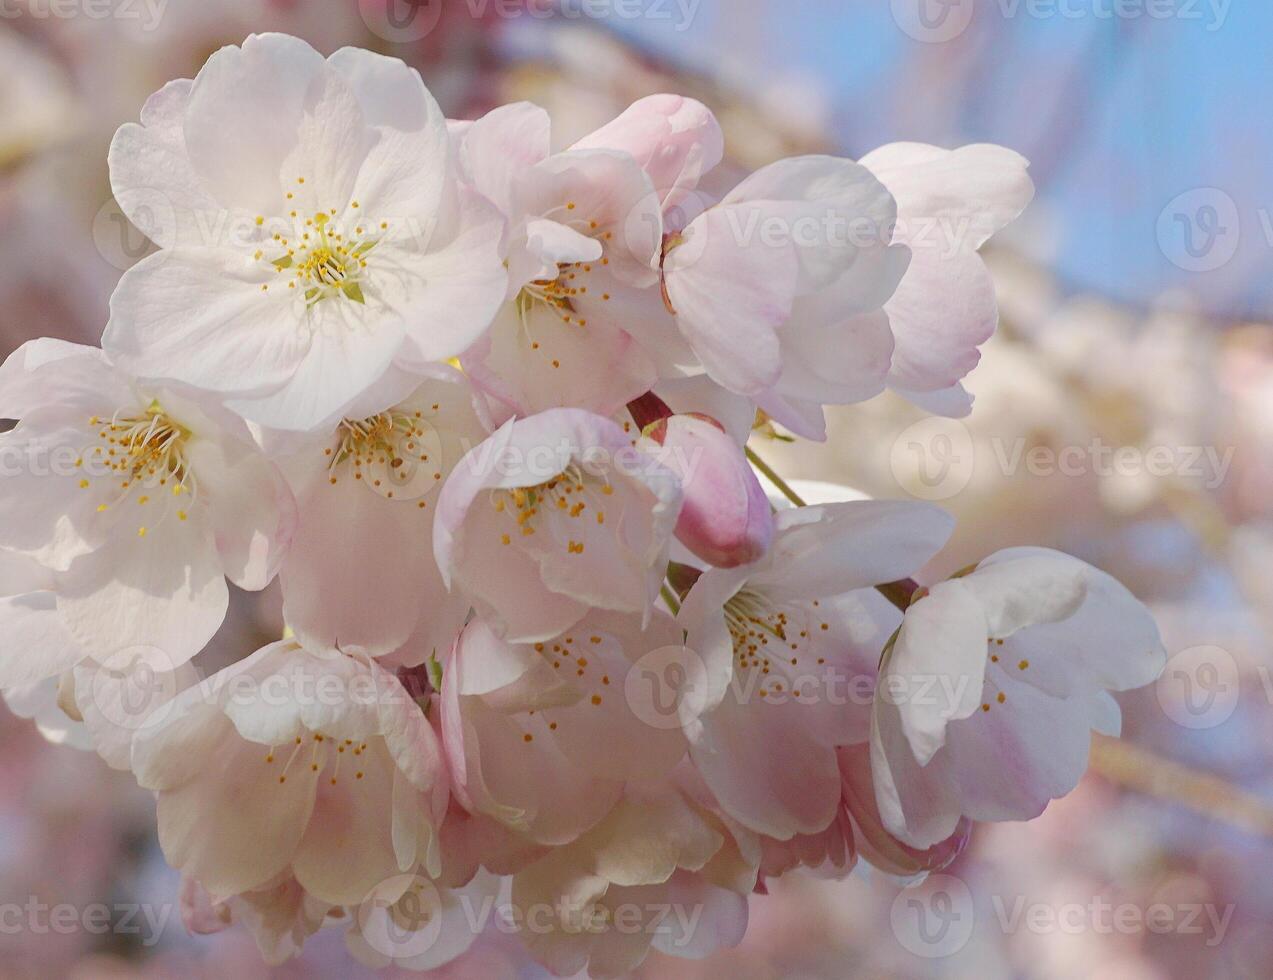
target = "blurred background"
x: 1124, y: 413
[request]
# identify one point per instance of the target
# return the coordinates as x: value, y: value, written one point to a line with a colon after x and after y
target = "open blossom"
x: 542, y: 736
x: 1025, y: 650
x: 427, y: 926
x: 367, y: 492
x: 552, y: 516
x: 786, y: 644
x: 280, y: 915
x: 136, y: 504
x: 949, y: 202
x: 283, y: 760
x: 583, y: 236
x: 632, y: 882
x: 677, y: 141
x: 313, y: 237
x: 503, y: 672
x: 780, y: 287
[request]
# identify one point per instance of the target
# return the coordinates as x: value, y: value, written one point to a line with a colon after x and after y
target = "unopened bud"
x: 726, y: 519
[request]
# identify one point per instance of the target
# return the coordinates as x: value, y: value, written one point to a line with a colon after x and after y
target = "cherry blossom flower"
x: 601, y: 902
x: 780, y: 288
x: 367, y: 492
x: 312, y: 234
x: 425, y: 927
x: 280, y: 916
x: 484, y: 408
x: 552, y: 516
x: 677, y: 141
x: 542, y: 736
x: 949, y: 202
x: 787, y: 643
x: 584, y: 233
x: 136, y: 505
x: 286, y: 758
x: 1025, y: 650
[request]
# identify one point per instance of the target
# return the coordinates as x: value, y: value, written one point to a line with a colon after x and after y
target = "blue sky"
x: 1121, y: 116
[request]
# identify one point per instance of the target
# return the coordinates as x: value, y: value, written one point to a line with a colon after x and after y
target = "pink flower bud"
x: 726, y: 519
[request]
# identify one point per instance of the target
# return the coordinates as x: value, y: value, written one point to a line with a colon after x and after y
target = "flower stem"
x: 772, y: 476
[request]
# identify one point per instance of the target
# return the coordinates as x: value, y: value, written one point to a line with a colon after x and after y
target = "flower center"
x: 323, y: 750
x: 322, y: 261
x: 142, y: 452
x: 571, y: 286
x: 771, y: 642
x: 397, y: 453
x: 570, y: 495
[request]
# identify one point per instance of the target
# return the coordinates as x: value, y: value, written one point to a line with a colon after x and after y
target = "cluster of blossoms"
x: 481, y: 407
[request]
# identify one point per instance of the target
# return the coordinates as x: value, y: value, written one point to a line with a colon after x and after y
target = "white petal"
x: 244, y: 112
x: 731, y: 298
x: 974, y: 190
x: 235, y: 827
x: 501, y: 146
x: 163, y: 591
x: 179, y: 301
x: 936, y: 669
x: 250, y: 508
x: 830, y: 549
x: 35, y: 644
x: 1027, y: 588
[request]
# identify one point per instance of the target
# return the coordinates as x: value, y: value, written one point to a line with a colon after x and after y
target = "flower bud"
x: 726, y: 519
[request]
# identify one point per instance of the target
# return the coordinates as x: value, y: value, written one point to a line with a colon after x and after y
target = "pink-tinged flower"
x: 321, y: 766
x: 583, y: 236
x: 779, y: 289
x: 312, y: 234
x: 649, y: 875
x: 552, y: 516
x: 858, y: 831
x: 543, y: 736
x: 676, y: 141
x: 949, y: 202
x: 425, y: 927
x: 725, y: 519
x: 789, y: 647
x: 135, y: 504
x: 988, y: 694
x: 280, y: 915
x: 874, y: 843
x: 360, y: 572
x: 831, y: 853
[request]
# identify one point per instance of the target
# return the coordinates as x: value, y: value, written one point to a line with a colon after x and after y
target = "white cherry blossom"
x: 1025, y: 650
x: 136, y: 506
x: 312, y: 235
